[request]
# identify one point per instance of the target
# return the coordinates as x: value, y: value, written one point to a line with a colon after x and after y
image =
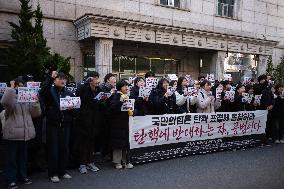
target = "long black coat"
x: 119, y: 131
x: 142, y: 107
x: 278, y: 109
x: 89, y: 119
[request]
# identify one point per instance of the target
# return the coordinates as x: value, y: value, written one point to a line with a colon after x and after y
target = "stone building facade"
x: 129, y: 37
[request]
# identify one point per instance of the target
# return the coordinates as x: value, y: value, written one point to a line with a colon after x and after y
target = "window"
x: 225, y: 8
x: 172, y: 3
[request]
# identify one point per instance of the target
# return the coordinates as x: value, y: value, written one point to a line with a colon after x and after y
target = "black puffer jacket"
x: 161, y: 104
x: 51, y: 98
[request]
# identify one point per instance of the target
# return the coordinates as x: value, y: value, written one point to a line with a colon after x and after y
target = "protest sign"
x: 157, y: 137
x: 219, y: 91
x: 227, y: 77
x: 257, y: 99
x: 151, y: 82
x: 70, y: 103
x: 33, y: 84
x: 102, y: 96
x: 127, y: 105
x: 144, y: 92
x: 230, y: 95
x: 3, y: 87
x: 26, y: 94
x: 173, y: 77
x: 210, y: 77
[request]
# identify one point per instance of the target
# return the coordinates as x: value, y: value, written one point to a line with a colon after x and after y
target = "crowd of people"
x: 100, y: 127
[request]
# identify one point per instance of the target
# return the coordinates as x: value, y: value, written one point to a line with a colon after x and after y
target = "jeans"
x: 16, y: 160
x: 58, y: 150
x: 277, y: 129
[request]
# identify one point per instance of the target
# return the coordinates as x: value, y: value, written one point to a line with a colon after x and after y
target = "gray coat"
x: 18, y: 117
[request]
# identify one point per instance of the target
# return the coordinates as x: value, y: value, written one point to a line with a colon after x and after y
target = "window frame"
x: 232, y: 15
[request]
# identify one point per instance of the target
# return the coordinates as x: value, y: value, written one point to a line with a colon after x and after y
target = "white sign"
x: 127, y: 105
x: 219, y: 91
x: 246, y: 80
x: 144, y: 92
x: 26, y: 94
x: 188, y: 78
x: 171, y: 90
x: 33, y: 84
x: 210, y: 77
x: 173, y: 77
x: 257, y: 99
x: 70, y: 103
x: 3, y: 87
x: 151, y: 82
x: 245, y: 97
x: 192, y: 91
x: 230, y: 95
x: 153, y: 130
x: 102, y: 96
x: 228, y: 77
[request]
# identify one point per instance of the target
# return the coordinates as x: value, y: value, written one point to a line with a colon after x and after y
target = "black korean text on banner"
x: 26, y: 94
x: 70, y: 103
x: 153, y: 130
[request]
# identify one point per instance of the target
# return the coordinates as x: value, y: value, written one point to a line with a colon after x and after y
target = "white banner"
x: 152, y: 130
x: 26, y: 94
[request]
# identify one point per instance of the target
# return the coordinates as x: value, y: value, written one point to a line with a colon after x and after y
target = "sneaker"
x: 12, y: 186
x: 93, y: 167
x: 54, y: 179
x: 27, y: 181
x: 277, y: 142
x: 128, y: 166
x: 281, y: 141
x: 83, y: 169
x: 118, y: 166
x: 66, y: 176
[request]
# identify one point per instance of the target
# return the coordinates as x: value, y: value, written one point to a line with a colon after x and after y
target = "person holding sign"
x: 182, y: 98
x: 107, y: 87
x: 241, y: 99
x: 206, y: 102
x: 89, y: 121
x: 163, y: 102
x: 18, y: 129
x: 58, y: 124
x: 119, y: 131
x: 142, y: 106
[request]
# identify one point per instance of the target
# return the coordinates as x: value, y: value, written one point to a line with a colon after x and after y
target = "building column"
x: 219, y: 67
x: 261, y: 65
x: 103, y: 56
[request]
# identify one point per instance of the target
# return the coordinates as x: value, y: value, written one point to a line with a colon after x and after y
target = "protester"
x: 17, y: 130
x: 142, y: 104
x: 163, y: 101
x: 107, y: 87
x: 58, y: 124
x: 119, y: 131
x: 277, y: 116
x: 182, y: 98
x: 206, y: 102
x: 89, y: 121
x: 239, y: 104
x: 149, y: 74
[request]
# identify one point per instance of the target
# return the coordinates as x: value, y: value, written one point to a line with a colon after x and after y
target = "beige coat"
x: 205, y: 104
x: 18, y: 117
